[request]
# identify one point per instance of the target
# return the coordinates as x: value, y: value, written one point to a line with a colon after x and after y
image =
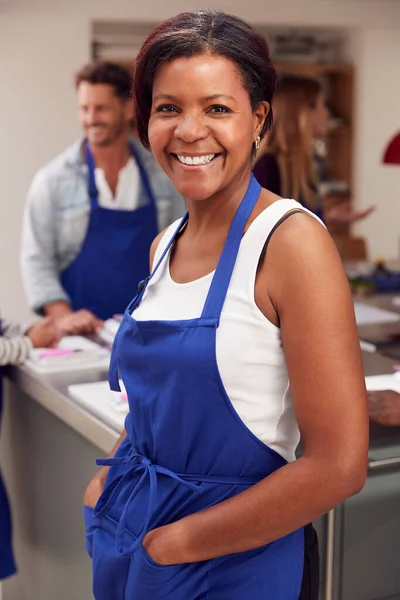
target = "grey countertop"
x: 51, y: 392
x: 384, y: 441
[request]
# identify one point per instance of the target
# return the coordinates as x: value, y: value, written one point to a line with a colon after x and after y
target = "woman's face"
x: 319, y: 116
x: 202, y: 126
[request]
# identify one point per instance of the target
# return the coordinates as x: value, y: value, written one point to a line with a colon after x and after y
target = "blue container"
x: 383, y: 282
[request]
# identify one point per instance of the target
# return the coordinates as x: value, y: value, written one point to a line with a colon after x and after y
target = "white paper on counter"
x: 89, y: 356
x: 108, y: 406
x: 375, y: 383
x: 109, y: 330
x: 371, y: 315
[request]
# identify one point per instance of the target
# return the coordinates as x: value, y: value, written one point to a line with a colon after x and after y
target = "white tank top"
x: 249, y: 351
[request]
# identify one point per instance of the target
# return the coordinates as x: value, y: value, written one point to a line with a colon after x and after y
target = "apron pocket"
x: 90, y: 527
x: 149, y: 580
x: 88, y: 516
x: 152, y: 563
x: 110, y: 570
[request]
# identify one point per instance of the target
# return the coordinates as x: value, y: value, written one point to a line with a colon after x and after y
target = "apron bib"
x: 186, y: 449
x: 115, y: 254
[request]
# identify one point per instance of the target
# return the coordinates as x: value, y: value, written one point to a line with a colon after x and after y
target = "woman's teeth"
x: 195, y: 160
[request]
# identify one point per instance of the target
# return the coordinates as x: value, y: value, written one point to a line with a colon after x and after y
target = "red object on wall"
x: 392, y: 152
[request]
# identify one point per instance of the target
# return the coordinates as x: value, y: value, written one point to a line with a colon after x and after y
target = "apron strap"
x: 222, y: 276
x: 223, y: 273
x: 143, y: 284
x: 171, y: 241
x: 92, y: 188
x: 143, y: 175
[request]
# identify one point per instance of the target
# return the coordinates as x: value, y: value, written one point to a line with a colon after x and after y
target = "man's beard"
x: 110, y: 134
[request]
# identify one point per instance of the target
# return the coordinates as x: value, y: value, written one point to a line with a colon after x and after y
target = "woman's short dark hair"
x: 193, y: 33
x: 107, y: 73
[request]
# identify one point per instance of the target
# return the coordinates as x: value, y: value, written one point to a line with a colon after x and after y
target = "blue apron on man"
x: 115, y: 254
x: 7, y: 564
x: 186, y: 449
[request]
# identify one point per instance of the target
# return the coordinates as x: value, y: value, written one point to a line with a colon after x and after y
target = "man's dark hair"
x: 107, y: 73
x: 199, y: 32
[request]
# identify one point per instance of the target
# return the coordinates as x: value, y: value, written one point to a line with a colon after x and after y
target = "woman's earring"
x: 257, y: 143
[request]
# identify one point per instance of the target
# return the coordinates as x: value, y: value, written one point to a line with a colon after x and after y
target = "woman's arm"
x: 96, y: 484
x: 302, y: 278
x: 14, y: 351
x: 17, y: 343
x: 12, y: 329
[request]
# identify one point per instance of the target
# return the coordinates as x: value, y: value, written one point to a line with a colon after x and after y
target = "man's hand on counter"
x: 384, y: 407
x: 44, y: 333
x: 79, y: 322
x: 343, y: 213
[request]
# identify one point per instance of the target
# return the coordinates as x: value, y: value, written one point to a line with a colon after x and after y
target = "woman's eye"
x: 166, y: 108
x: 219, y: 109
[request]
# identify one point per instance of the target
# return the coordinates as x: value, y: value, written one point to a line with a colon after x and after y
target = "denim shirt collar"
x: 74, y: 157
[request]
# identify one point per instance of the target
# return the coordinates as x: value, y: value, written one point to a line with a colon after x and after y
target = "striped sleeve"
x: 14, y: 351
x: 12, y: 328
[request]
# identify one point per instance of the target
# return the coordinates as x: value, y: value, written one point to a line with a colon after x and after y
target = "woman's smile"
x: 201, y: 127
x: 196, y: 162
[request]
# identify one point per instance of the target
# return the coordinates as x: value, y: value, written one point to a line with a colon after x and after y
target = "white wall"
x: 38, y: 55
x: 297, y: 12
x: 42, y: 42
x: 378, y: 119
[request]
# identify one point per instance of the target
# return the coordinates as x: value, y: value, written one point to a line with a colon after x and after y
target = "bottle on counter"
x: 381, y: 269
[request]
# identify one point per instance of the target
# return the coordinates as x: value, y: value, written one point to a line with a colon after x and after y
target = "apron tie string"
x: 137, y: 463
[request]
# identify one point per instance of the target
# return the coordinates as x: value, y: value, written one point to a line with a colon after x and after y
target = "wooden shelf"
x: 314, y: 69
x: 338, y: 130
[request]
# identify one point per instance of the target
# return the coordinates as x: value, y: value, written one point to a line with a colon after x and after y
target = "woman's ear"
x: 260, y: 114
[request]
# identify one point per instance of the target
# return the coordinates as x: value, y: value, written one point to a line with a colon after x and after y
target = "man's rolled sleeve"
x: 39, y: 266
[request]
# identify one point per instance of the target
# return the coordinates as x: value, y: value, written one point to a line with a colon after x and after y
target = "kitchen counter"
x: 49, y: 448
x: 51, y: 392
x: 50, y: 444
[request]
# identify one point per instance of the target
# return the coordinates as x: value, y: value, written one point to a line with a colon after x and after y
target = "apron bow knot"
x: 136, y: 463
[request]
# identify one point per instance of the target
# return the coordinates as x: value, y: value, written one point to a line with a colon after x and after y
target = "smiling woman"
x: 203, y: 132
x: 229, y: 350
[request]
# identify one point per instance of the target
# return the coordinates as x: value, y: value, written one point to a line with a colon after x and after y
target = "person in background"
x: 384, y: 407
x: 15, y: 346
x: 288, y: 164
x: 202, y: 496
x: 93, y: 212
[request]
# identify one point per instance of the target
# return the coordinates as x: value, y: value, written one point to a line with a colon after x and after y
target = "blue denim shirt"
x: 57, y: 216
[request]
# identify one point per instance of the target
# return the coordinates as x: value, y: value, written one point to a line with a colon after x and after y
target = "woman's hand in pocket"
x: 95, y: 488
x: 166, y: 545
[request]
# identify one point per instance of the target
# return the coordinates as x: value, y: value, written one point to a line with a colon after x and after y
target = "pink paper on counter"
x: 56, y: 352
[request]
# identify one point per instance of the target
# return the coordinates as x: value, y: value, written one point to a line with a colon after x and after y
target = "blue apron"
x: 115, y: 254
x: 186, y: 449
x: 7, y: 564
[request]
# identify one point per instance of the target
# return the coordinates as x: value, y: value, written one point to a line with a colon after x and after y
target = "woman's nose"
x: 191, y: 128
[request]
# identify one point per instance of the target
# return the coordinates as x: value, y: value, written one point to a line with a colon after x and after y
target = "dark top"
x: 267, y: 172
